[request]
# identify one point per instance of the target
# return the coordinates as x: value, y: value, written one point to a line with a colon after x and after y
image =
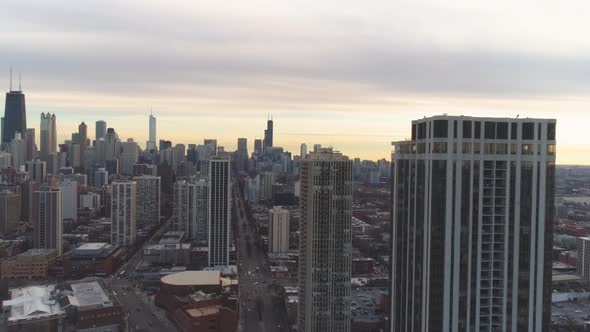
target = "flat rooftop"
x: 92, y: 246
x: 203, y: 311
x: 193, y: 278
x: 34, y: 302
x: 37, y: 252
x: 89, y: 294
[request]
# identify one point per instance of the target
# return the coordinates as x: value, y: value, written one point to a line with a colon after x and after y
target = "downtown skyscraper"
x: 15, y: 114
x: 47, y: 219
x: 219, y: 211
x: 151, y: 143
x: 325, y: 242
x: 472, y: 225
x: 268, y: 134
x: 48, y: 136
x: 100, y: 130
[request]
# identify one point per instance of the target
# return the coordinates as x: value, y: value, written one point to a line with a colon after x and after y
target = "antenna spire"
x: 10, y: 78
x: 19, y: 86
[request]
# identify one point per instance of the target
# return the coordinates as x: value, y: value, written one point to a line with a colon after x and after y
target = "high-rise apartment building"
x: 219, y: 214
x: 266, y: 181
x: 47, y: 220
x: 148, y: 199
x: 191, y: 208
x: 10, y: 211
x: 69, y: 199
x: 47, y: 136
x: 123, y: 212
x: 325, y: 243
x: 100, y: 130
x: 472, y: 216
x: 583, y: 259
x: 278, y: 230
x: 15, y: 115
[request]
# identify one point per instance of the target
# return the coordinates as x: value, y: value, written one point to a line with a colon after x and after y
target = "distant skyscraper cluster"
x: 472, y: 206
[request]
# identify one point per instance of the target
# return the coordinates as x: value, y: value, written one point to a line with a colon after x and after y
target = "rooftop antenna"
x: 11, y: 78
x: 19, y: 88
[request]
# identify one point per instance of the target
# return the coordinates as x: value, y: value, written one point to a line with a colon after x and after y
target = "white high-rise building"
x: 18, y: 149
x: 123, y: 212
x: 473, y: 206
x: 278, y: 231
x: 69, y: 199
x: 148, y: 199
x: 325, y: 243
x: 191, y: 208
x: 151, y: 144
x: 219, y: 211
x: 128, y: 157
x: 303, y: 152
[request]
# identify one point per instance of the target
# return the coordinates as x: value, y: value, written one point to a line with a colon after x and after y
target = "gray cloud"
x: 113, y: 48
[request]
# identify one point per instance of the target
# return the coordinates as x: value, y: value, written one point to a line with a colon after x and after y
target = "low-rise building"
x: 33, y: 263
x: 34, y: 308
x: 96, y: 311
x: 92, y: 259
x: 175, y: 287
x: 362, y: 266
x: 73, y: 306
x: 167, y: 253
x: 207, y: 312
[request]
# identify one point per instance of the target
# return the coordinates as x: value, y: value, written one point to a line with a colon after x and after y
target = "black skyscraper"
x: 15, y: 116
x: 268, y: 134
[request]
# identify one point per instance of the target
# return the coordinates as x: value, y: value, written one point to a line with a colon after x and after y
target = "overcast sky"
x: 351, y: 74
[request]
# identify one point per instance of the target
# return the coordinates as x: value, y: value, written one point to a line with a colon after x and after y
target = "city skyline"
x: 291, y: 64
